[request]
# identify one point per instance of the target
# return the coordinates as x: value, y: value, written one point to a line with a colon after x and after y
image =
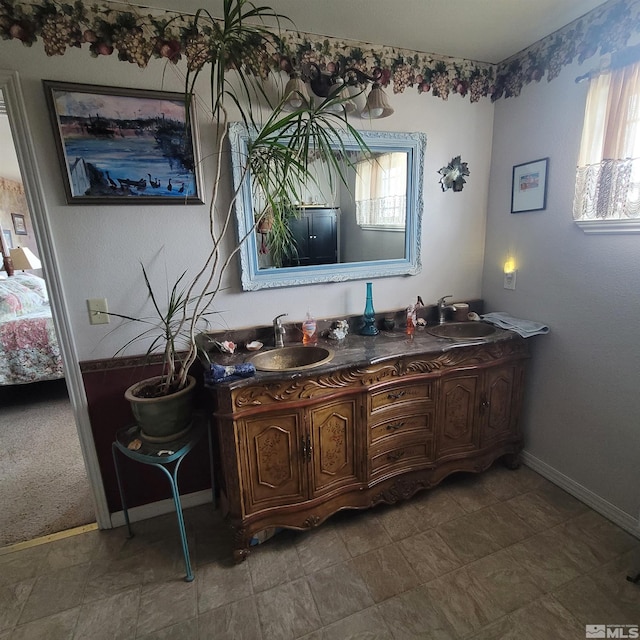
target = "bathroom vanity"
x: 390, y: 415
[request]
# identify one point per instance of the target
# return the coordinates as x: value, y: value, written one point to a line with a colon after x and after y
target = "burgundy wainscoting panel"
x: 109, y: 411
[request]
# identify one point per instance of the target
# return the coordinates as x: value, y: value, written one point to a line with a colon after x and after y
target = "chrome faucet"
x: 442, y: 307
x: 279, y: 330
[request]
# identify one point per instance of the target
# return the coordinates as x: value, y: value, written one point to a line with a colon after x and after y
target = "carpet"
x: 43, y: 483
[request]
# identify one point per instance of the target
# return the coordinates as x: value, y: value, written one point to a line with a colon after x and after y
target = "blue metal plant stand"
x: 166, y: 456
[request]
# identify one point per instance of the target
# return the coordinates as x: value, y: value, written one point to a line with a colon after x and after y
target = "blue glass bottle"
x: 369, y: 317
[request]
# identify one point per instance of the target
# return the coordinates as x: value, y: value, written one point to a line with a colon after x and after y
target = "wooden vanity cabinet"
x: 294, y: 451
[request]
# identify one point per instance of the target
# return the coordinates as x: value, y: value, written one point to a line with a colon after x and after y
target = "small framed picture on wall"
x: 19, y: 224
x: 8, y: 240
x: 529, y: 186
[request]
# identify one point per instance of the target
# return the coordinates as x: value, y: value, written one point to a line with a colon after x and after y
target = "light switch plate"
x: 98, y: 311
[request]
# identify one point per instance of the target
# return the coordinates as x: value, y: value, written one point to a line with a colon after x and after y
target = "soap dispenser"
x: 309, y: 330
x: 411, y: 319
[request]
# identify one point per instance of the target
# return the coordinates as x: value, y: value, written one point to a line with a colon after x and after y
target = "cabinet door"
x: 334, y: 441
x: 324, y: 237
x: 302, y: 233
x: 274, y: 473
x: 457, y: 428
x: 497, y: 405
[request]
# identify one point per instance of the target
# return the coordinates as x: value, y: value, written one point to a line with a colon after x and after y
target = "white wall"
x: 98, y: 248
x: 582, y: 407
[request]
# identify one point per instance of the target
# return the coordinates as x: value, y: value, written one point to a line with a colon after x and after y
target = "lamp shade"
x: 340, y: 91
x: 377, y: 103
x: 295, y: 92
x: 23, y: 258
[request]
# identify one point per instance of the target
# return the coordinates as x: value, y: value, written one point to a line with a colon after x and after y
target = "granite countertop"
x: 357, y: 351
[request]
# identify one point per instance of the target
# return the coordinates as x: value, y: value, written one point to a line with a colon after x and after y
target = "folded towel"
x: 526, y: 328
x: 217, y: 373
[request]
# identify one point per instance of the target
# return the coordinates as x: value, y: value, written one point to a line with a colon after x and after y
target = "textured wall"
x: 582, y: 407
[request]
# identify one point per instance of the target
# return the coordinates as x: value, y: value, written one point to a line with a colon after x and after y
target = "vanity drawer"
x: 402, y: 456
x: 421, y: 422
x: 399, y: 396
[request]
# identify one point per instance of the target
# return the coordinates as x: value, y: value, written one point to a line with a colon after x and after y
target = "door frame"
x: 34, y: 194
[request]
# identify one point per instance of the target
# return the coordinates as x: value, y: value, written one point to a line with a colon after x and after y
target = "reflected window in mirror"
x: 381, y: 191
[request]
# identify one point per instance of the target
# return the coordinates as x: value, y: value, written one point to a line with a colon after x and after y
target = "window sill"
x: 380, y: 227
x: 609, y: 226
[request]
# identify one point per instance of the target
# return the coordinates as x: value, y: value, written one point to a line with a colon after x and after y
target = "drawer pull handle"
x: 393, y: 427
x: 396, y: 395
x: 396, y: 455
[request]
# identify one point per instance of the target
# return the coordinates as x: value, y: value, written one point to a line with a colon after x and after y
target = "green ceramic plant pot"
x: 164, y: 418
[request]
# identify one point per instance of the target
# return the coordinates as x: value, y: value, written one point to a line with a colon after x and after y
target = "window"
x: 607, y: 196
x: 381, y: 192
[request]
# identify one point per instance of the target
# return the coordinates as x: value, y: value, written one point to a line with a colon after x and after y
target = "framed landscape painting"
x: 119, y: 146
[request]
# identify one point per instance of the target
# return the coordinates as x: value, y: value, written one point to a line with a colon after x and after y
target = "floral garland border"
x: 606, y: 29
x: 141, y: 34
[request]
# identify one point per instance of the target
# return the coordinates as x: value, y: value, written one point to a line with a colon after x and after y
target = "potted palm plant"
x: 285, y: 142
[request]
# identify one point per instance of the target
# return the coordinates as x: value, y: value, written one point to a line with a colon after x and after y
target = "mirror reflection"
x: 360, y: 219
x: 365, y: 226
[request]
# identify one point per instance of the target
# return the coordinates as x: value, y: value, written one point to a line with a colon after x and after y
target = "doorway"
x: 55, y: 408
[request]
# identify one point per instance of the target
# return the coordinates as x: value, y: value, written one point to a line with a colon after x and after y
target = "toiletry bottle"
x: 309, y: 333
x: 411, y: 322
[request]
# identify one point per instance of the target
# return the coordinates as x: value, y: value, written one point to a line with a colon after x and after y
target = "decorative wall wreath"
x: 453, y: 175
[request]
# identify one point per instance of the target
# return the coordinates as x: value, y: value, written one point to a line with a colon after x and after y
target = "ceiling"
x: 481, y: 30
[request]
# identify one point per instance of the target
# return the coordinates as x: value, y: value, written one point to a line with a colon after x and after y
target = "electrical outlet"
x: 510, y: 280
x: 98, y: 311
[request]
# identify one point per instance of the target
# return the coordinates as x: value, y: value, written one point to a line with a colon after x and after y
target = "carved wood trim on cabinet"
x: 293, y: 452
x: 327, y: 384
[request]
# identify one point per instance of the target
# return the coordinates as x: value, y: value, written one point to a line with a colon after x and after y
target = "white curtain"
x: 608, y: 174
x: 381, y: 191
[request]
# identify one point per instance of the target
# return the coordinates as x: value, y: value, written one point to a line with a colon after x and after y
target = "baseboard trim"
x: 153, y: 509
x: 608, y: 510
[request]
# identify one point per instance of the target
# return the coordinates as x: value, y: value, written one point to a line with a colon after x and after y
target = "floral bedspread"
x: 29, y: 349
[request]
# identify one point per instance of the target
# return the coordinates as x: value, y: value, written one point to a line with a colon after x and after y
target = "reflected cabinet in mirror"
x: 364, y: 224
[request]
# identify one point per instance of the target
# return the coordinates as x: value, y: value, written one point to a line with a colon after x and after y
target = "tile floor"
x: 503, y: 555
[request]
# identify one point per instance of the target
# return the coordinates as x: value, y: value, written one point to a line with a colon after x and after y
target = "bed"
x: 29, y: 350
